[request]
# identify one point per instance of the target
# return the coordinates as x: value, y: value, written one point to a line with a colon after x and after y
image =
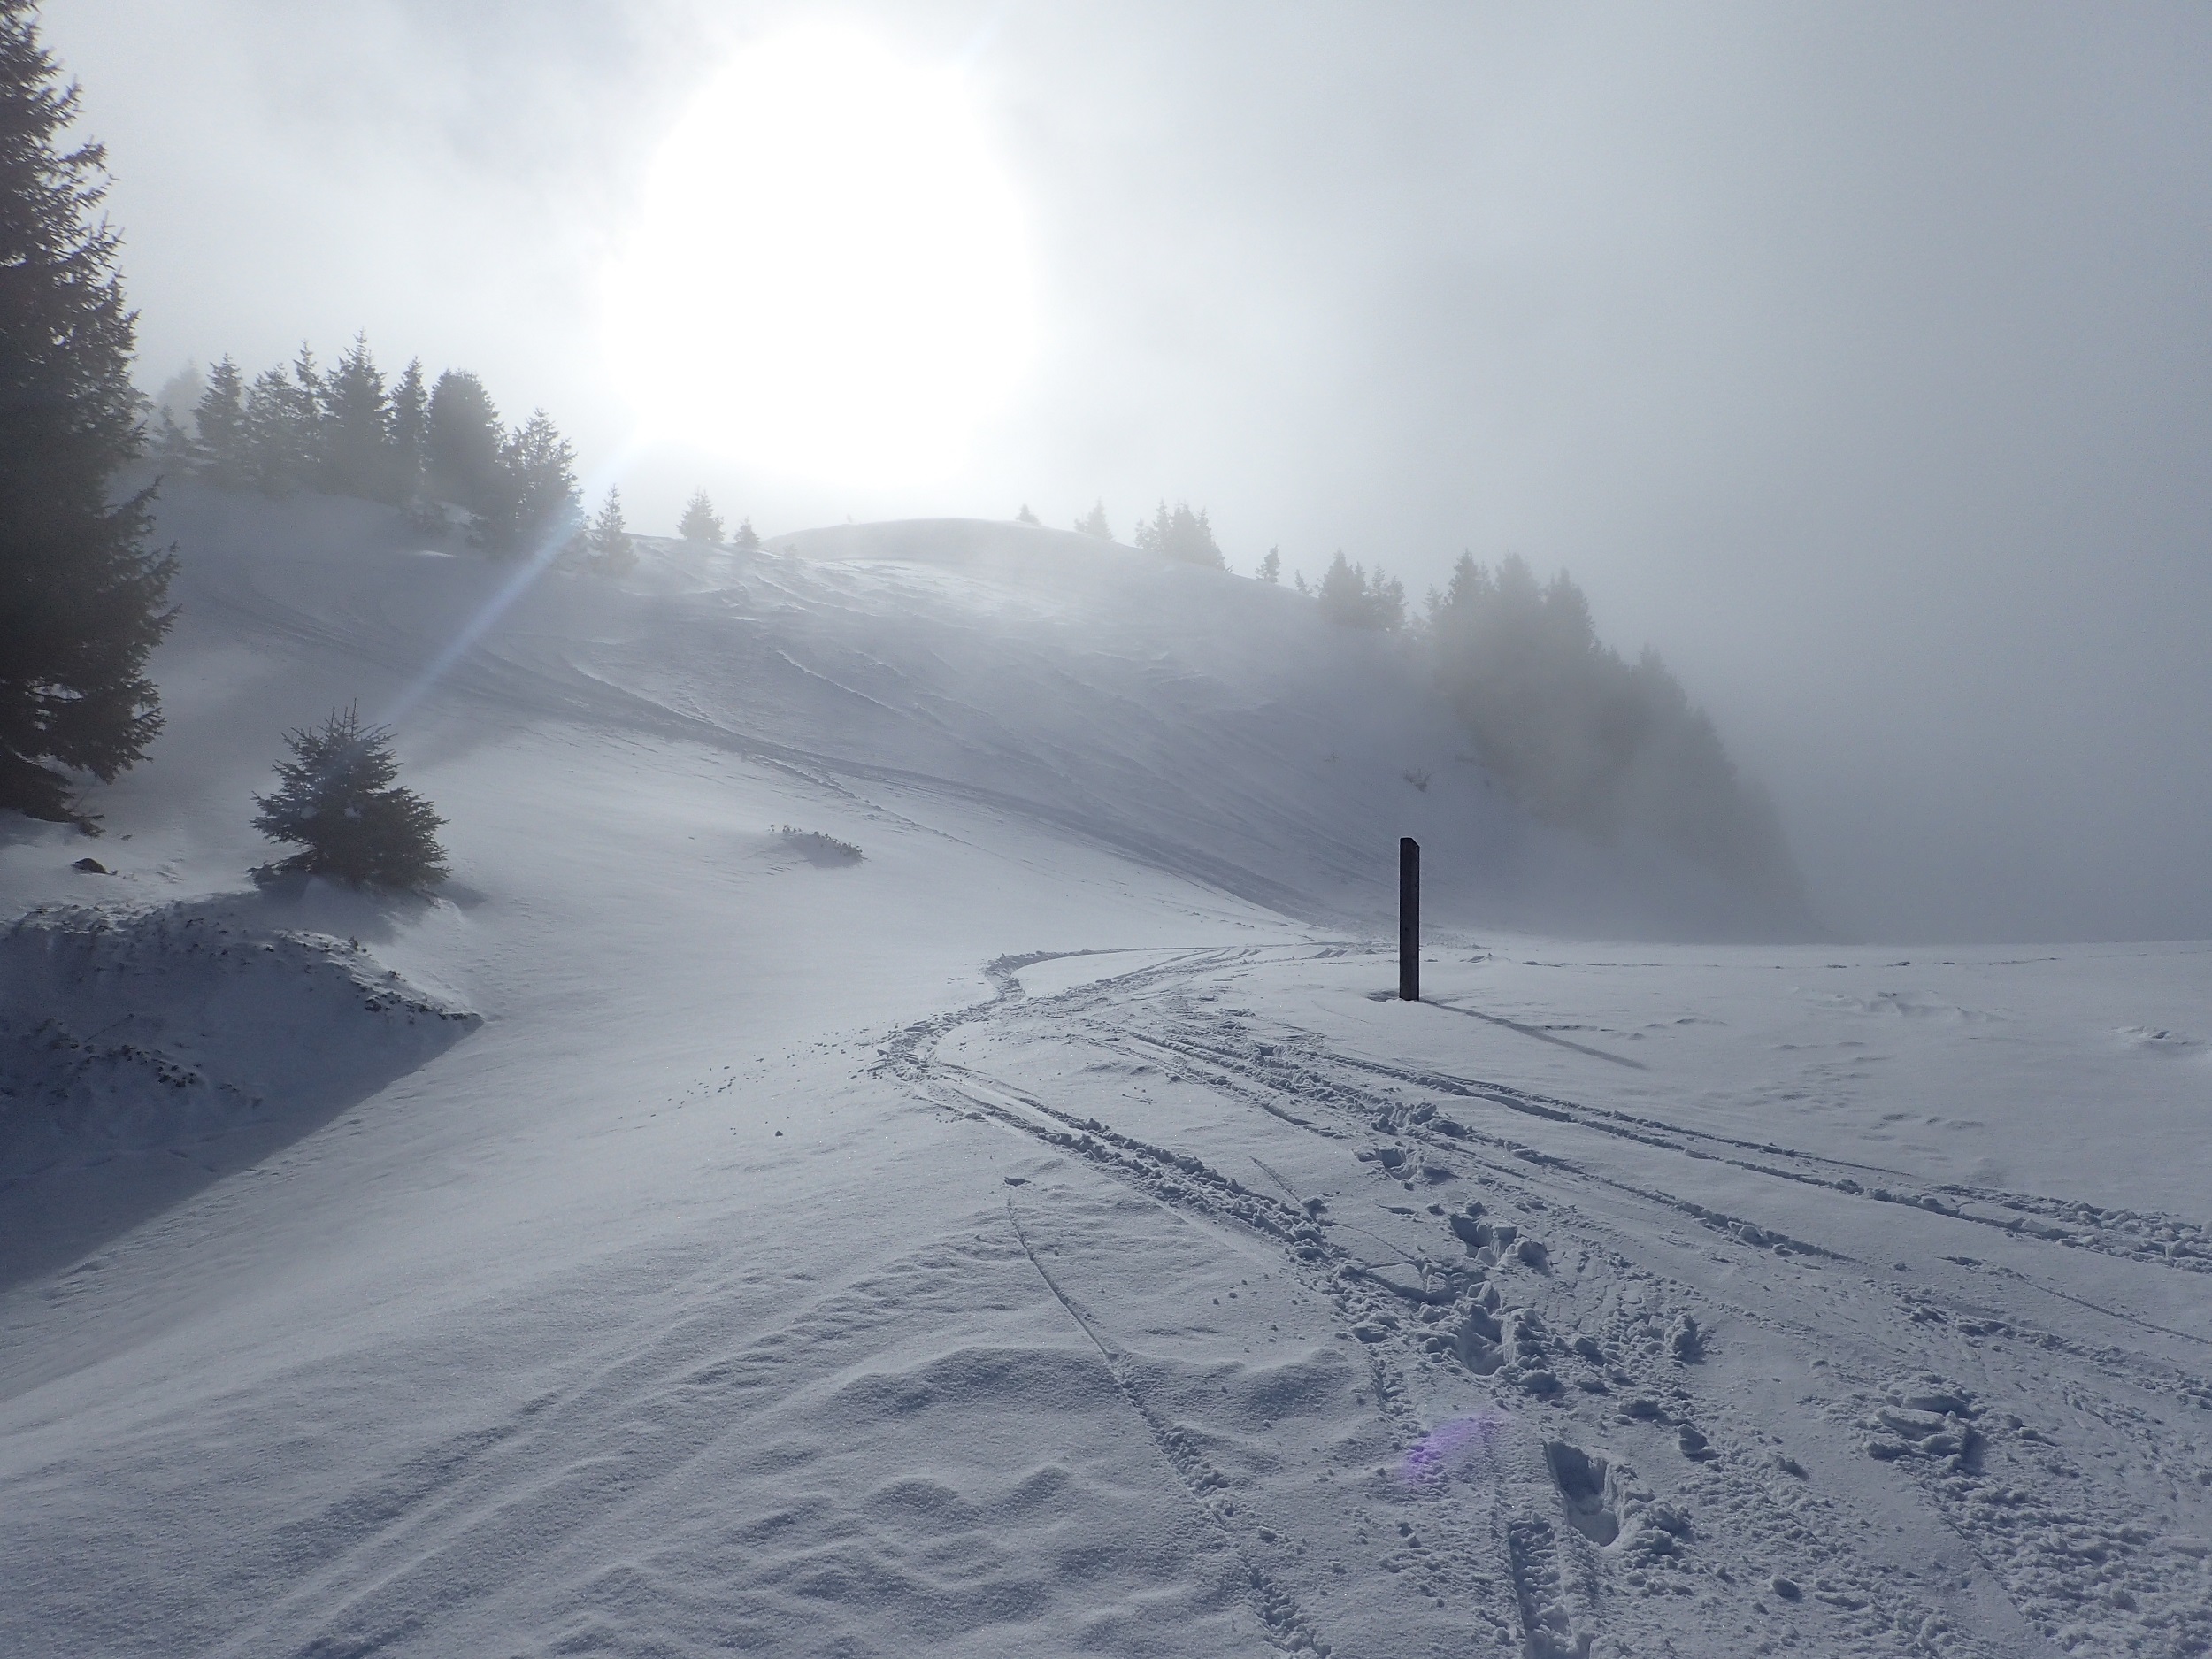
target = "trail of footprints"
x: 1556, y: 1557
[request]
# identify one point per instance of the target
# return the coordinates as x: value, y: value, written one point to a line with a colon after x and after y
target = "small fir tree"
x: 607, y: 544
x: 1026, y: 516
x: 700, y: 522
x: 1093, y: 522
x: 81, y: 599
x: 746, y: 540
x: 338, y: 799
x: 1272, y: 566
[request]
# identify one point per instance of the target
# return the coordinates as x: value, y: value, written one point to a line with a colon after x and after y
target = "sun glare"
x: 828, y: 274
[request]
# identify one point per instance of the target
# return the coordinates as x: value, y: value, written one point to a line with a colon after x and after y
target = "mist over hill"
x: 1209, y: 725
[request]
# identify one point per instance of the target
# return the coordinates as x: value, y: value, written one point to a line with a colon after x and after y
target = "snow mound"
x: 185, y: 1038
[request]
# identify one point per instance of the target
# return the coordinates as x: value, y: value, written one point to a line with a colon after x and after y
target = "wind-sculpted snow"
x: 145, y: 1051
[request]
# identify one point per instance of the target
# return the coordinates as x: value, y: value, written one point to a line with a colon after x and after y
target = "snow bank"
x: 140, y: 1048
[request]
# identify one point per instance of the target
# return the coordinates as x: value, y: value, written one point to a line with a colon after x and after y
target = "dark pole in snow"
x: 1408, y: 919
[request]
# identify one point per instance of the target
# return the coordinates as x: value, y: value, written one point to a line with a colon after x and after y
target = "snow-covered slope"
x: 1043, y: 1234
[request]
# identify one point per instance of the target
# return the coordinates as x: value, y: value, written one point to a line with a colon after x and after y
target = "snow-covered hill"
x: 1045, y: 1233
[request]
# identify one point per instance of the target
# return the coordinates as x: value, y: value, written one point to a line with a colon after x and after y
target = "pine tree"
x: 542, y: 509
x: 746, y: 540
x: 700, y: 522
x: 462, y: 439
x: 1272, y: 566
x: 356, y: 429
x: 411, y: 415
x: 1026, y: 516
x: 1093, y: 522
x: 1181, y: 534
x: 1354, y: 599
x: 219, y: 427
x: 284, y: 446
x: 339, y: 801
x: 81, y: 599
x: 1343, y: 592
x: 175, y: 453
x: 607, y: 544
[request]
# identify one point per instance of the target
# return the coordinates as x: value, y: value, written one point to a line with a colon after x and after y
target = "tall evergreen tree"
x: 284, y: 421
x: 539, y: 467
x: 411, y: 416
x: 218, y: 428
x: 356, y: 430
x: 700, y: 522
x: 338, y: 800
x: 462, y: 439
x: 82, y: 600
x: 1094, y: 523
x: 1272, y: 566
x: 745, y: 539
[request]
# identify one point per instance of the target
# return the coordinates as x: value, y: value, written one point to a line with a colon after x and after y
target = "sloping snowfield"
x: 1045, y: 1234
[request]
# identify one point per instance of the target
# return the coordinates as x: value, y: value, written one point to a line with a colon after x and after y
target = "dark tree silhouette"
x: 1272, y: 566
x: 539, y: 502
x: 700, y: 522
x: 356, y: 451
x: 462, y: 439
x: 746, y: 539
x: 1026, y: 516
x: 81, y: 599
x: 338, y: 799
x: 218, y: 426
x: 1094, y: 523
x: 410, y: 419
x: 284, y: 420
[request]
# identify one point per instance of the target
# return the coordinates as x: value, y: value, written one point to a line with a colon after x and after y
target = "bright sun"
x: 828, y: 274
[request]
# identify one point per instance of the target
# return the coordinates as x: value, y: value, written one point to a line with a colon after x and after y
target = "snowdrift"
x: 146, y: 1051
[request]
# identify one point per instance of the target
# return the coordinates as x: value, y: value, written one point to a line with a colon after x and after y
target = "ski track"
x: 2035, y: 1449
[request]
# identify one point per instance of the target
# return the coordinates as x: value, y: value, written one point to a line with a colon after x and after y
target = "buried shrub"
x: 339, y: 802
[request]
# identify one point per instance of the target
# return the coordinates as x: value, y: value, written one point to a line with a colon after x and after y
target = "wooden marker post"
x: 1408, y: 919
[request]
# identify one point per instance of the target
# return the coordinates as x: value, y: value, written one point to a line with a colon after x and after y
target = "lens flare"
x: 1459, y: 1443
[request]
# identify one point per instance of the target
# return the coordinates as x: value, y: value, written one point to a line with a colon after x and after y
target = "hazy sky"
x: 1858, y: 358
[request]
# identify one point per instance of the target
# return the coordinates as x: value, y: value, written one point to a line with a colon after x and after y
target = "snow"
x: 1045, y: 1233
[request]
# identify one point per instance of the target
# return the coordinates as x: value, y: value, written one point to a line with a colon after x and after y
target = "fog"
x: 1856, y: 358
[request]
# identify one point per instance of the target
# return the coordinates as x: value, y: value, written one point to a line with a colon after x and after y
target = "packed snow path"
x: 1628, y: 1382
